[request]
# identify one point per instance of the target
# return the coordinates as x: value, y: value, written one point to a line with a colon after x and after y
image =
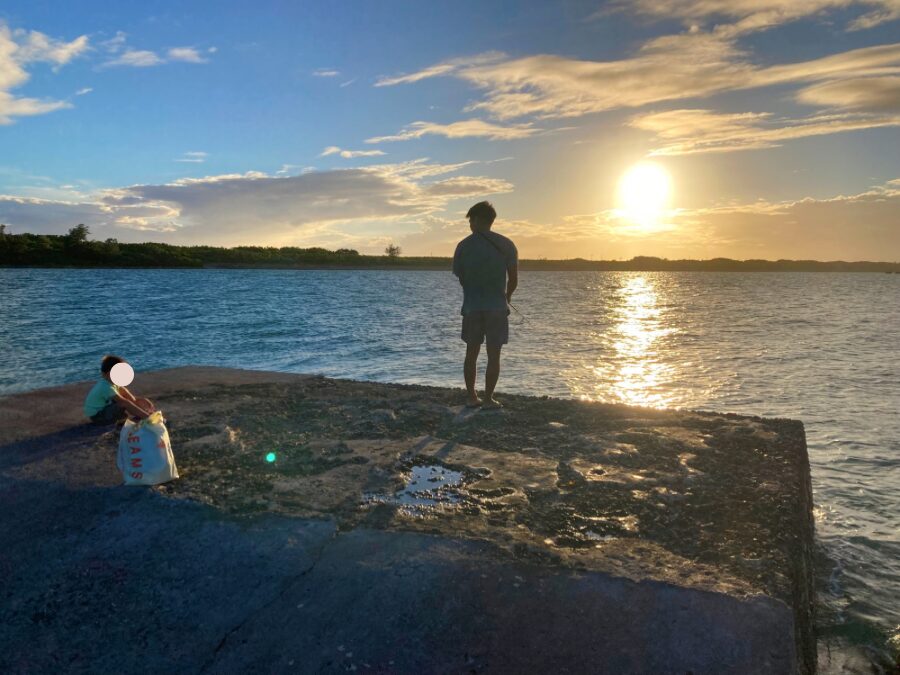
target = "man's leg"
x: 496, y: 335
x: 472, y: 351
x: 492, y: 373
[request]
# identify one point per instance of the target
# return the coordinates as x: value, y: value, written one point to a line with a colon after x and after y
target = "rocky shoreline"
x: 680, y: 523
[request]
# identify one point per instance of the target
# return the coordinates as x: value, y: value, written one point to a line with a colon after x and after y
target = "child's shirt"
x: 99, y: 397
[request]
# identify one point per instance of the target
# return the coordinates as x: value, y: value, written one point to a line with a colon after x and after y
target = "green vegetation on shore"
x: 76, y: 250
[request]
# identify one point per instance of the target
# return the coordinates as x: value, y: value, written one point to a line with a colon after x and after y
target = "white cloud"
x: 463, y: 129
x: 85, y: 90
x: 349, y: 154
x: 145, y: 58
x: 12, y: 107
x: 690, y: 131
x: 33, y: 46
x: 248, y: 208
x: 138, y: 58
x: 187, y: 54
x: 18, y: 50
x: 326, y: 72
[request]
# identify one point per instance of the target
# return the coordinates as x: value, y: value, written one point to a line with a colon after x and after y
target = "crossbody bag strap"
x: 492, y: 243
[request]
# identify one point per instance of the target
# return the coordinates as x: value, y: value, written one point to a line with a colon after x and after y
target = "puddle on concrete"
x: 429, y: 486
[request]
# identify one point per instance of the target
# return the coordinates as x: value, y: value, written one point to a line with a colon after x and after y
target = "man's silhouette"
x: 487, y: 265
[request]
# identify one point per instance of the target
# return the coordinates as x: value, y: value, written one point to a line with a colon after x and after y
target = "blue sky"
x: 357, y: 124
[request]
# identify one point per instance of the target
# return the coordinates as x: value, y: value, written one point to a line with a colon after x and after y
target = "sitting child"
x: 107, y: 403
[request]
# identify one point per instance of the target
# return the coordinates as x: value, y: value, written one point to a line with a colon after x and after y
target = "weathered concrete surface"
x: 582, y: 537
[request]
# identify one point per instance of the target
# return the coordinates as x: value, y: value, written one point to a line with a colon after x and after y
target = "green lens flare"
x: 270, y: 457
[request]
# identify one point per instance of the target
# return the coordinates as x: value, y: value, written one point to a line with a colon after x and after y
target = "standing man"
x: 487, y: 265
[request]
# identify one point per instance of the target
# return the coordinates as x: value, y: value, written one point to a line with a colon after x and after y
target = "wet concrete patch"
x: 428, y: 487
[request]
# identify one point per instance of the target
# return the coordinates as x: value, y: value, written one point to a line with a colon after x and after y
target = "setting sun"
x: 644, y: 193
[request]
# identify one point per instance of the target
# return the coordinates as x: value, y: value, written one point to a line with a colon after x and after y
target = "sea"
x: 822, y: 347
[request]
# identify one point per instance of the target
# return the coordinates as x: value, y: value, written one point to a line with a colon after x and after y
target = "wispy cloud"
x: 18, y: 50
x: 690, y: 131
x: 445, y: 68
x: 123, y: 55
x: 137, y: 58
x: 669, y: 68
x: 115, y: 44
x: 326, y: 72
x: 751, y: 15
x: 85, y: 90
x: 286, y: 169
x: 862, y: 93
x: 349, y: 154
x: 193, y: 157
x: 466, y: 128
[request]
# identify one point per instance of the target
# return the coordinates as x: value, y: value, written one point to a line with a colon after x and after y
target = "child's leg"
x: 110, y: 414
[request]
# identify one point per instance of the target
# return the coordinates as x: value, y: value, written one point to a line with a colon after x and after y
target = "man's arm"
x: 512, y: 270
x: 457, y: 265
x: 512, y: 273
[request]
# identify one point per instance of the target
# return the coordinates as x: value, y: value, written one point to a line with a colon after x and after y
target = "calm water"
x: 822, y: 348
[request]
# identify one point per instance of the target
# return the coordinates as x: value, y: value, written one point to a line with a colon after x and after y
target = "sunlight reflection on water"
x: 639, y: 369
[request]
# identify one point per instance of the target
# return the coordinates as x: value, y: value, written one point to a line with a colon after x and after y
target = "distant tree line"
x: 75, y: 249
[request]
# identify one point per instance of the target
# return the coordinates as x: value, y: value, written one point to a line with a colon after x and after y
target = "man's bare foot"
x: 491, y: 404
x: 473, y: 402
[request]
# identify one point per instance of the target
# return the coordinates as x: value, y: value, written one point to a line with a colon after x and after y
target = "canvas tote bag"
x: 145, y: 452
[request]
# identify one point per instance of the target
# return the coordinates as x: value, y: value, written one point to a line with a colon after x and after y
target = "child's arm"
x: 131, y: 407
x: 127, y: 395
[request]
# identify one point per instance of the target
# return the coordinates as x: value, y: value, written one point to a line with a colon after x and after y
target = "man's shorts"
x: 111, y: 413
x: 490, y: 326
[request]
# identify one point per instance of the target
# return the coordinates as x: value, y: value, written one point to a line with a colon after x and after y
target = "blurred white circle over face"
x: 121, y: 374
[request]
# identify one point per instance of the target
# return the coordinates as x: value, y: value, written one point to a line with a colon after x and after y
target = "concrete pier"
x: 397, y: 532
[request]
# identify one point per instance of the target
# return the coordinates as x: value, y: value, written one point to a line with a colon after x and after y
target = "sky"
x: 602, y: 130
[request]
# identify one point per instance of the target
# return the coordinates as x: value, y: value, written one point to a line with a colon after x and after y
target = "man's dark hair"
x: 484, y: 212
x: 109, y: 361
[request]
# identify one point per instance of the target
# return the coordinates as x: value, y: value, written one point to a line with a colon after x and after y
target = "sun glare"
x: 644, y: 193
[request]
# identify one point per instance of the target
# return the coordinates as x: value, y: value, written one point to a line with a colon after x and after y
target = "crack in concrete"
x: 285, y: 588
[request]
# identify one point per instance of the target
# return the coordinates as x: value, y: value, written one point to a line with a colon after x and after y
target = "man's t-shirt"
x: 480, y: 262
x: 99, y: 397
